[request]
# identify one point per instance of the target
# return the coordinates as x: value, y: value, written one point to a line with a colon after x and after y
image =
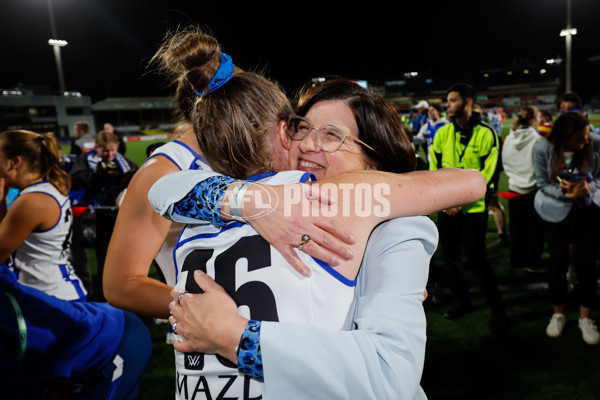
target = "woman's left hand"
x: 296, y: 211
x: 206, y: 322
x: 576, y: 189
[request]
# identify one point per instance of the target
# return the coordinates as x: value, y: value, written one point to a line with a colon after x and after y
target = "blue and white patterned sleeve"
x: 249, y: 354
x: 203, y: 202
x: 190, y: 196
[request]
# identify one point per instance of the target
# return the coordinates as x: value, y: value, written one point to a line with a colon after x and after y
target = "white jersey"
x: 184, y: 157
x: 42, y: 260
x: 264, y: 286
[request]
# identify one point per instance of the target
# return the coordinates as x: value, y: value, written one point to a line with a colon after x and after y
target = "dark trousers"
x: 526, y: 233
x: 79, y: 258
x: 581, y: 227
x: 465, y: 234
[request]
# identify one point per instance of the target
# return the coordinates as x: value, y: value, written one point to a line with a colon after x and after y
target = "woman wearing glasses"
x: 240, y: 120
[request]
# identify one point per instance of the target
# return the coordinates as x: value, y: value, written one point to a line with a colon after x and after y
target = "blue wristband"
x: 203, y: 202
x: 249, y: 355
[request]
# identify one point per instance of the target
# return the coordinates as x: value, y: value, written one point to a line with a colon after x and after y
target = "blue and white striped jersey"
x: 42, y: 260
x: 264, y: 286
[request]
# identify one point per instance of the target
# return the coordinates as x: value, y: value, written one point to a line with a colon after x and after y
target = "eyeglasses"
x: 329, y: 137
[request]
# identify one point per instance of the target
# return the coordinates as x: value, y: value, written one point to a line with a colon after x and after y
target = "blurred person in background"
x: 122, y: 146
x: 418, y: 119
x: 570, y: 101
x: 495, y: 119
x: 83, y: 141
x: 102, y: 174
x: 526, y: 229
x: 427, y: 132
x: 546, y: 122
x: 496, y: 208
x: 567, y: 169
x: 467, y: 142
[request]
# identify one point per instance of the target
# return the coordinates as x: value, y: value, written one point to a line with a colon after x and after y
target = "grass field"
x: 462, y: 360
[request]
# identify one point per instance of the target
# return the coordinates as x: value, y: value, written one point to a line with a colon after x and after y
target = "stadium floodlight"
x: 57, y: 42
x: 56, y: 45
x: 568, y: 34
x: 568, y: 31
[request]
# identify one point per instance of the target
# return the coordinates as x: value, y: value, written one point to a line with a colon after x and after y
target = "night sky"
x: 111, y: 41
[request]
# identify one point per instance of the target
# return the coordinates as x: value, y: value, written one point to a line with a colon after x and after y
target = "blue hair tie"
x: 223, y: 75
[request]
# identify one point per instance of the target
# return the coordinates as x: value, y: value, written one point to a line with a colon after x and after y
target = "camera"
x: 569, y: 176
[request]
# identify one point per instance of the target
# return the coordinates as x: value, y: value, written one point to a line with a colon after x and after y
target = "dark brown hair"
x: 525, y: 116
x: 565, y: 126
x: 379, y: 125
x: 82, y: 125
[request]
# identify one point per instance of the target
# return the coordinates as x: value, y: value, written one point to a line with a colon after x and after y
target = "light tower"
x: 57, y: 44
x: 568, y: 33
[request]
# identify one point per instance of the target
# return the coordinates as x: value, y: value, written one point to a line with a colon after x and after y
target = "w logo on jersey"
x: 194, y: 361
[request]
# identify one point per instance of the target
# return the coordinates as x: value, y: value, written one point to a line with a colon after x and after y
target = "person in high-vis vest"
x: 467, y: 142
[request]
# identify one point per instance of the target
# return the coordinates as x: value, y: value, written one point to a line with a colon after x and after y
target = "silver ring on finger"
x: 175, y: 327
x: 179, y: 297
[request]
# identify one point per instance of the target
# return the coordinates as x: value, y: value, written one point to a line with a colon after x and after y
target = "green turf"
x: 464, y: 361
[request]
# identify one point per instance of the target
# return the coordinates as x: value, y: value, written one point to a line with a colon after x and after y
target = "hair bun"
x: 192, y: 56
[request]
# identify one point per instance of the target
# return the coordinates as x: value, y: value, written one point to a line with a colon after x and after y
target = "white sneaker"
x: 556, y: 325
x: 589, y: 331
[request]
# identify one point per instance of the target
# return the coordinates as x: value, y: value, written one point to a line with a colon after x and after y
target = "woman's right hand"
x: 207, y: 322
x: 292, y: 213
x: 451, y: 212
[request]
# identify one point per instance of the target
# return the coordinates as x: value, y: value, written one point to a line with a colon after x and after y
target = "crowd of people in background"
x: 551, y: 159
